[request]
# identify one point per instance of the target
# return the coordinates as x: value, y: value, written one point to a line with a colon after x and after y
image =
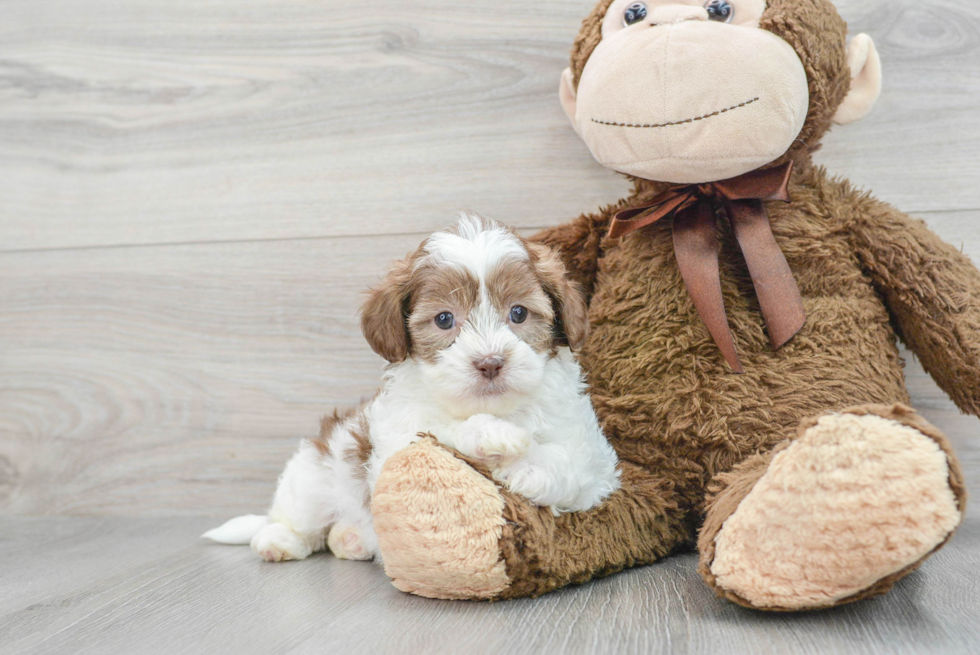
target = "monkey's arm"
x: 446, y: 530
x: 932, y: 292
x: 579, y: 244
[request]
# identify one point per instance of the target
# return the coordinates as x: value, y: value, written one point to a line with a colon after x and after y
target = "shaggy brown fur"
x: 693, y: 437
x: 682, y: 421
x: 663, y: 393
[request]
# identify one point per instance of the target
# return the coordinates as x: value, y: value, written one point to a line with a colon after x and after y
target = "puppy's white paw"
x: 276, y: 543
x: 533, y: 483
x: 346, y: 542
x: 493, y: 441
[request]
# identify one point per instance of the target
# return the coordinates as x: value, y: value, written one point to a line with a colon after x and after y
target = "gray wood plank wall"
x: 194, y: 195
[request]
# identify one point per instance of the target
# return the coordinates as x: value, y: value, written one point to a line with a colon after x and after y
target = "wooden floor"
x: 193, y: 197
x: 122, y: 585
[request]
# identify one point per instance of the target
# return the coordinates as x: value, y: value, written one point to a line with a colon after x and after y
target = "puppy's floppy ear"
x: 571, y: 314
x: 384, y: 314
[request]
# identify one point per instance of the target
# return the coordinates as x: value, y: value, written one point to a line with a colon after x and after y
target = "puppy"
x: 479, y: 327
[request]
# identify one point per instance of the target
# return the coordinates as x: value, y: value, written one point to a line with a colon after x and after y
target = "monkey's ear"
x: 384, y: 315
x: 566, y: 93
x: 862, y: 57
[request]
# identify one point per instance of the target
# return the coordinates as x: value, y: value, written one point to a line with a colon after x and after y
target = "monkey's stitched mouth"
x: 689, y: 120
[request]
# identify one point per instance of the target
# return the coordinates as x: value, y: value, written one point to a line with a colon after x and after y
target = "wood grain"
x: 141, y: 121
x: 137, y: 383
x: 283, y: 119
x: 914, y: 150
x: 150, y: 586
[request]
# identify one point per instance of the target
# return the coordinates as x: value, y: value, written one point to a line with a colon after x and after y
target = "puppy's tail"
x: 239, y: 530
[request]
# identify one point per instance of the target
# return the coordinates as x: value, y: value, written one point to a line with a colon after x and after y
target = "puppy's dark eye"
x: 634, y: 13
x: 445, y: 321
x: 518, y: 314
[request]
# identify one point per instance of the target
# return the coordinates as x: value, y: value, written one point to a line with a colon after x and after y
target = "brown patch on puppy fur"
x: 515, y: 283
x: 571, y: 313
x: 383, y: 315
x: 327, y: 425
x: 358, y: 455
x: 439, y: 289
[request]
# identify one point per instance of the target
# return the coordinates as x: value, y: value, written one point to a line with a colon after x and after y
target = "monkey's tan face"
x: 688, y: 91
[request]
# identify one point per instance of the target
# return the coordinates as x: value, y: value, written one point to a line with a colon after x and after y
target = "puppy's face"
x: 481, y: 311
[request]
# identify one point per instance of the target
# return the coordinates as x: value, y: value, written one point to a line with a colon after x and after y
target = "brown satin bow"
x: 696, y: 247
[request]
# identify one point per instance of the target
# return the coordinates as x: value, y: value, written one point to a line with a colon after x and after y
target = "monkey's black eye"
x: 518, y: 314
x: 445, y: 321
x: 634, y: 13
x: 720, y: 10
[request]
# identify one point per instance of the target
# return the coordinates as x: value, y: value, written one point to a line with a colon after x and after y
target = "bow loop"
x: 692, y: 208
x: 666, y: 204
x: 708, y: 191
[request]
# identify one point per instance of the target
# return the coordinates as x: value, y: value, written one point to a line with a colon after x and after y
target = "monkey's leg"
x: 447, y: 531
x: 858, y: 500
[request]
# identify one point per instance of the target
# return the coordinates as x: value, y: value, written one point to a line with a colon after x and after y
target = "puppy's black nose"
x: 490, y: 366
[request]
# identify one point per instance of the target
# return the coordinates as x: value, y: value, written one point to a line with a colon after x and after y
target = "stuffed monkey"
x: 744, y: 309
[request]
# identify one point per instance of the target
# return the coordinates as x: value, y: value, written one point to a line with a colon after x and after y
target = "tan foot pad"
x: 439, y: 524
x: 852, y: 501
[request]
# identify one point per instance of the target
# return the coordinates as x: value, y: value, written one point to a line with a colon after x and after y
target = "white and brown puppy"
x: 478, y: 325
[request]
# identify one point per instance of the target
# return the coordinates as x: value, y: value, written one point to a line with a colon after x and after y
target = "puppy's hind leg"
x: 324, y: 484
x: 302, y: 509
x: 278, y: 542
x: 352, y: 536
x: 347, y: 540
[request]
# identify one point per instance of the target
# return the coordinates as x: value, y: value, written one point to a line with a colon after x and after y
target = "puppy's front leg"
x: 541, y: 477
x: 491, y: 440
x: 549, y: 476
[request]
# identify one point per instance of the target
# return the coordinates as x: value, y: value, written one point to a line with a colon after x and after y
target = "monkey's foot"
x: 859, y: 500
